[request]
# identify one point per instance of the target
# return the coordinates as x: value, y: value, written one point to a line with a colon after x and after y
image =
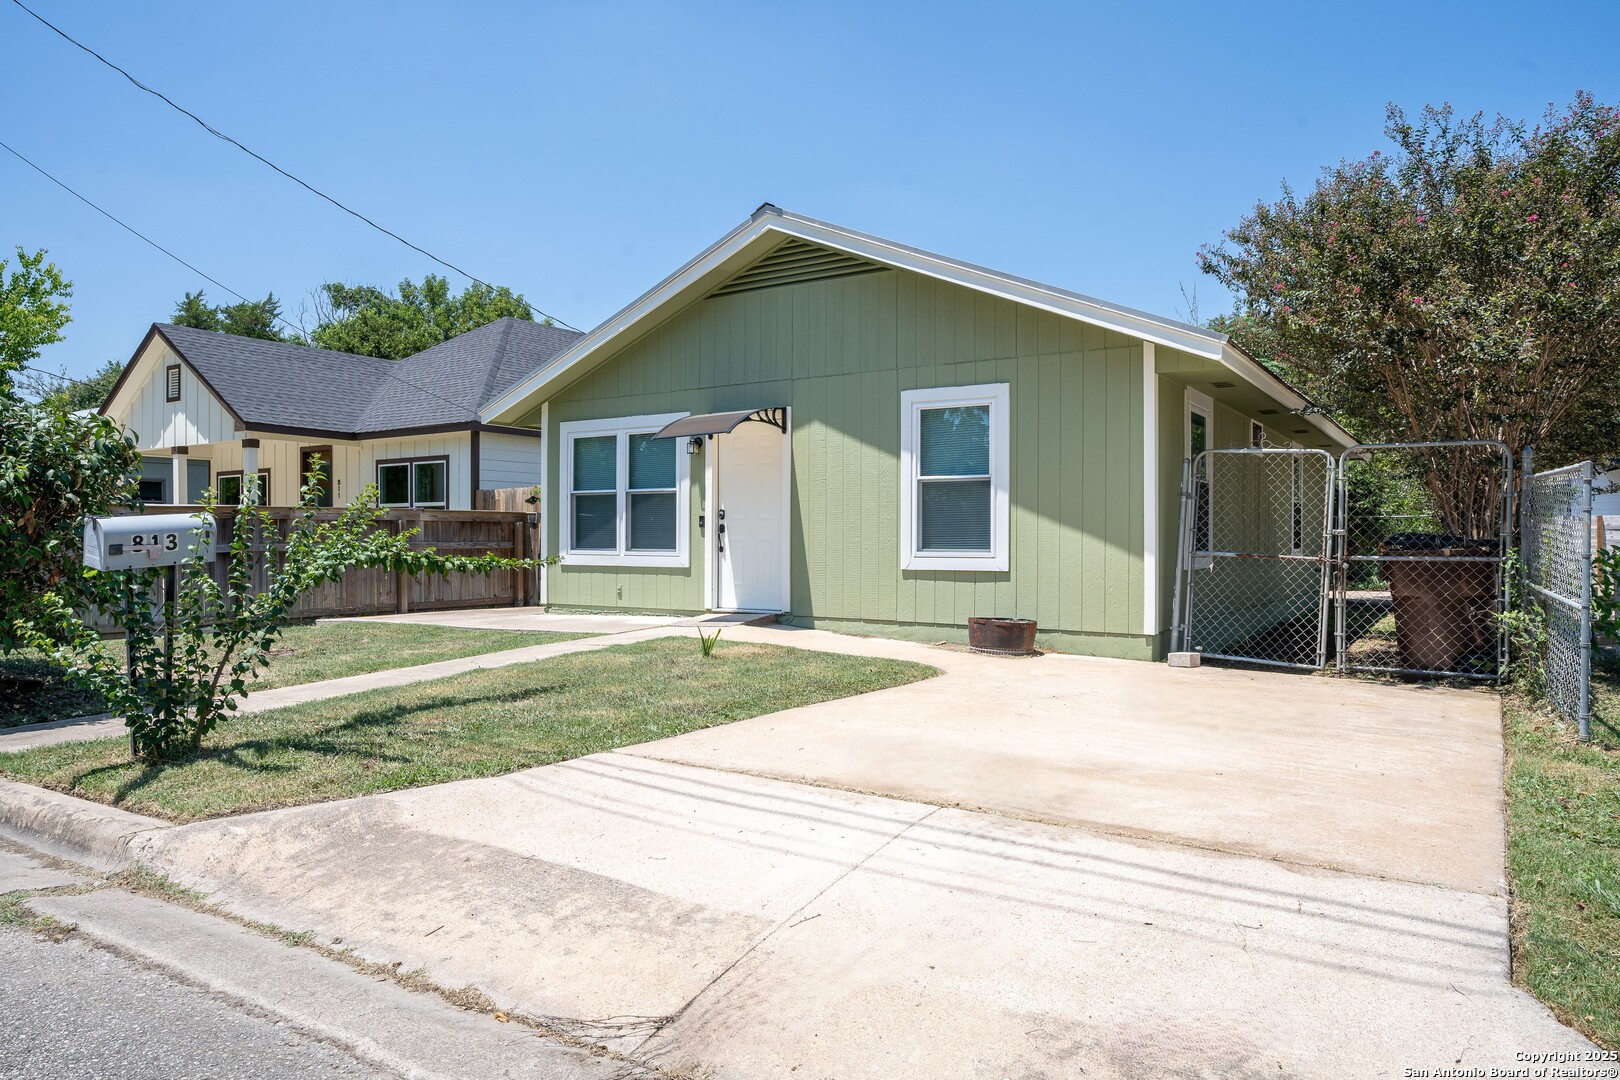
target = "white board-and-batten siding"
x: 354, y: 464
x: 198, y: 417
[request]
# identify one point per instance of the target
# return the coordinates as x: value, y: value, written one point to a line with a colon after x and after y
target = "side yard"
x: 35, y: 690
x: 1564, y: 857
x: 481, y: 723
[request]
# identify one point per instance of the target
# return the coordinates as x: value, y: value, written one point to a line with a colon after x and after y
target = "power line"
x: 279, y: 318
x: 124, y: 225
x: 266, y: 161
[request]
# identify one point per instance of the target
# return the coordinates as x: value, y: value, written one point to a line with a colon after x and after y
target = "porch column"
x: 177, y: 486
x: 250, y: 472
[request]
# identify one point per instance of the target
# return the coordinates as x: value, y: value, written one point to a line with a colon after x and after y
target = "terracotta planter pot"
x: 1004, y: 637
x: 1444, y: 610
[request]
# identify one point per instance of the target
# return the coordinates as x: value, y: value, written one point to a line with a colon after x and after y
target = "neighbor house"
x: 208, y: 409
x: 863, y: 436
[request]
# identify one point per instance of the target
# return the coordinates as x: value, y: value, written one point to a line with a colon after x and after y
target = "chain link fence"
x: 1257, y: 555
x: 1555, y: 541
x: 1393, y: 558
x: 1424, y: 531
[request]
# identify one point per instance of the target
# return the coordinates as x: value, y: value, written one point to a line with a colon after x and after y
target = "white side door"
x: 751, y: 527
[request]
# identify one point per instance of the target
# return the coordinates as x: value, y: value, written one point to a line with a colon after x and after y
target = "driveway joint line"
x: 787, y: 922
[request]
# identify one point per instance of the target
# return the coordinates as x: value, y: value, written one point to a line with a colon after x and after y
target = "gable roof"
x: 277, y: 386
x: 769, y: 224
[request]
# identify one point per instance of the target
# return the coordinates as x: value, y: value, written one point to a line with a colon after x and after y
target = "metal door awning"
x: 723, y: 423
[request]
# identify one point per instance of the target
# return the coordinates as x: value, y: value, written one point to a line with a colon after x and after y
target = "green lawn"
x: 1564, y: 859
x: 304, y: 654
x: 481, y: 723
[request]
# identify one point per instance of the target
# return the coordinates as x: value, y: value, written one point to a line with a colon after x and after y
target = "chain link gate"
x: 1387, y: 547
x: 1256, y: 556
x: 1555, y: 540
x: 1424, y: 530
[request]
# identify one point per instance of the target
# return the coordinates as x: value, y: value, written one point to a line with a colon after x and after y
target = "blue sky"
x: 580, y: 152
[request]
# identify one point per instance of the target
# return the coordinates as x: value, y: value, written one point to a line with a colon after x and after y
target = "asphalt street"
x: 71, y: 1011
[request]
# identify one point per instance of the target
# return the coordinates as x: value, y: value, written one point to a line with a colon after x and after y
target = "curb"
x: 415, y: 1036
x: 73, y: 828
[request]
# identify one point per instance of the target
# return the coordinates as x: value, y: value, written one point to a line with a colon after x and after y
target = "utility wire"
x: 266, y: 161
x: 279, y: 318
x: 124, y: 225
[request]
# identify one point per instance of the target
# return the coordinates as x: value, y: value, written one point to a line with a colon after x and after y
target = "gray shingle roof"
x: 274, y: 384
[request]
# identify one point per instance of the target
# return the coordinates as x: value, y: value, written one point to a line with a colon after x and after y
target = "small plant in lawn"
x: 707, y: 642
x: 183, y: 679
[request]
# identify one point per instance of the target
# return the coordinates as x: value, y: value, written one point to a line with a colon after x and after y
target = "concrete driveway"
x: 670, y: 902
x: 1402, y: 782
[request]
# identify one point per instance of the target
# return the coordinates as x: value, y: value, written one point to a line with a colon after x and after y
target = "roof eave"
x: 1144, y: 326
x: 1264, y: 379
x: 1194, y: 340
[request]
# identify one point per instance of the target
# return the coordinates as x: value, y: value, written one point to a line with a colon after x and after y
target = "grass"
x: 33, y: 689
x: 481, y: 723
x: 1564, y: 858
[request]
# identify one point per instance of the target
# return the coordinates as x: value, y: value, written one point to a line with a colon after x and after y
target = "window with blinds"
x: 596, y: 493
x: 624, y: 492
x: 953, y: 446
x: 652, y: 493
x: 954, y: 494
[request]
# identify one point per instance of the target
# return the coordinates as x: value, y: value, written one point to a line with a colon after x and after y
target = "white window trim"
x: 998, y: 397
x: 623, y: 427
x: 1203, y: 405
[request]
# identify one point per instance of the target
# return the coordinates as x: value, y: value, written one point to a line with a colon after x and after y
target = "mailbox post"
x: 142, y: 542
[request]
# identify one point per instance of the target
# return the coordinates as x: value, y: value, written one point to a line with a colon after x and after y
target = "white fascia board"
x: 1137, y: 324
x: 627, y: 318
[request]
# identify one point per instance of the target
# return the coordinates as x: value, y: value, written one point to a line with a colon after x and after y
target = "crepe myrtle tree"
x: 183, y: 680
x: 1466, y: 286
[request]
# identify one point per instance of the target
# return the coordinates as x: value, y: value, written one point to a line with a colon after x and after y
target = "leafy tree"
x: 89, y: 392
x: 175, y: 692
x: 1465, y: 287
x: 55, y: 469
x: 33, y: 311
x: 366, y: 320
x: 247, y: 318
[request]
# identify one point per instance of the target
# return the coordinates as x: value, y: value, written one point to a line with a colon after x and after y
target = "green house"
x: 866, y: 437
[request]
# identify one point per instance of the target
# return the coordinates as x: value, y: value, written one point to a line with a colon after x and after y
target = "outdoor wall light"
x: 694, y: 445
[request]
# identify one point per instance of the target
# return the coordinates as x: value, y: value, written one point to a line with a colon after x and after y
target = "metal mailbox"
x: 138, y: 541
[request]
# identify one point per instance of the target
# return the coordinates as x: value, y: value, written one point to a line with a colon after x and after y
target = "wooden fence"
x: 517, y: 500
x: 508, y: 534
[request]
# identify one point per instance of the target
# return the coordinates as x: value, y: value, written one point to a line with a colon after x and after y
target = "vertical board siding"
x: 839, y: 352
x: 198, y: 417
x: 354, y: 465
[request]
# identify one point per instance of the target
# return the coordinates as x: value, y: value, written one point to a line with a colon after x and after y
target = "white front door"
x: 751, y: 527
